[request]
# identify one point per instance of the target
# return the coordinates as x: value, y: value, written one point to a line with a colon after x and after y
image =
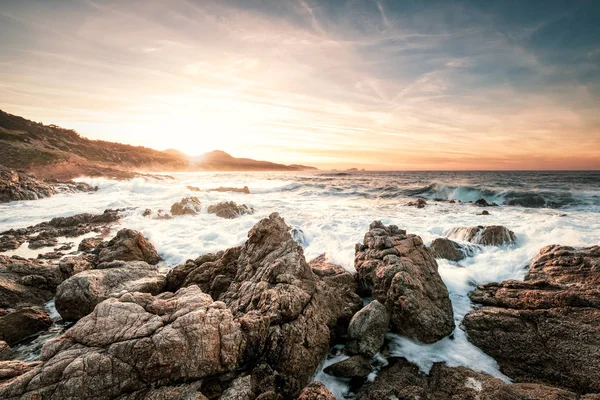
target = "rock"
x: 483, y: 203
x: 400, y: 272
x: 160, y: 214
x: 545, y: 329
x: 87, y: 245
x: 53, y: 255
x: 135, y: 343
x: 78, y: 295
x: 26, y: 282
x: 419, y: 203
x: 193, y: 188
x: 16, y: 186
x: 23, y: 323
x: 11, y: 242
x: 484, y: 212
x: 231, y: 189
x: 366, y: 332
x: 5, y: 351
x: 12, y: 369
x: 147, y: 212
x: 316, y: 391
x: 70, y: 266
x: 240, y: 389
x: 402, y: 380
x: 493, y: 235
x: 187, y: 206
x: 450, y: 250
x: 41, y: 241
x: 353, y: 367
x: 229, y: 209
x: 129, y: 245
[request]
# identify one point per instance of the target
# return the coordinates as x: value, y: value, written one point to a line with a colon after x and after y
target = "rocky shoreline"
x: 257, y: 321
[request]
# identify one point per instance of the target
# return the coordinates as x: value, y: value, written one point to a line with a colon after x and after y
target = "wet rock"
x: 23, y: 323
x: 419, y: 203
x: 87, y: 245
x: 450, y: 250
x: 17, y: 291
x: 11, y: 242
x: 366, y: 332
x: 229, y: 210
x: 12, y: 369
x: 78, y: 295
x: 545, y: 329
x: 484, y: 212
x: 316, y: 391
x: 147, y: 212
x: 5, y: 351
x: 402, y: 380
x: 160, y: 214
x: 16, y: 186
x: 41, y: 241
x: 64, y: 247
x: 240, y: 389
x: 136, y: 342
x: 193, y: 188
x: 493, y: 235
x: 400, y: 272
x: 187, y: 206
x: 53, y: 255
x: 353, y: 367
x: 483, y: 203
x: 129, y: 245
x: 231, y: 189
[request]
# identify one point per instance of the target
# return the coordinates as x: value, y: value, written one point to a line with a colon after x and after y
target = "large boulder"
x: 287, y: 310
x: 493, y: 235
x: 403, y: 380
x: 450, y: 250
x: 26, y: 282
x: 366, y: 332
x: 128, y: 245
x: 547, y: 328
x: 21, y: 324
x: 187, y: 206
x: 77, y: 296
x: 229, y: 209
x: 401, y: 273
x: 134, y: 343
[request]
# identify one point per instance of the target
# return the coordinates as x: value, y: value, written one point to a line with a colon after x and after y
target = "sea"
x: 331, y: 212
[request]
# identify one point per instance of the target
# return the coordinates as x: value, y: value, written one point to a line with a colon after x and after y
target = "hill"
x: 50, y: 151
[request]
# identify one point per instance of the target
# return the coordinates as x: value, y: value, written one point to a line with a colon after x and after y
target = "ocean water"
x: 334, y: 210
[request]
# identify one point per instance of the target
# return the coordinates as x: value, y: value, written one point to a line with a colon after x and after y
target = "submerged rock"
x: 493, y: 235
x: 187, y: 206
x: 229, y: 209
x: 231, y: 189
x: 450, y: 250
x: 419, y: 203
x: 21, y: 324
x: 128, y: 245
x: 403, y: 380
x: 547, y: 328
x: 77, y: 296
x: 366, y: 332
x: 400, y: 272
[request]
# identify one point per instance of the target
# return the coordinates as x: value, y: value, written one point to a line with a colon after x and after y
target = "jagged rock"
x: 187, y: 206
x: 5, y: 351
x: 23, y: 323
x: 12, y: 369
x: 229, y: 209
x: 78, y: 295
x: 353, y: 367
x: 493, y: 235
x: 316, y: 391
x: 547, y: 328
x: 366, y: 332
x: 400, y: 272
x: 402, y: 380
x: 134, y: 343
x: 450, y: 250
x: 128, y: 245
x: 16, y: 186
x: 87, y: 245
x: 231, y: 189
x: 240, y: 389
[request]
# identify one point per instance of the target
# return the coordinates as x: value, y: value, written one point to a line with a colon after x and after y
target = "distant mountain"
x: 50, y: 151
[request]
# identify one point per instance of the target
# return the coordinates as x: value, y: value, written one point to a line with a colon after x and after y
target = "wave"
x: 511, y: 197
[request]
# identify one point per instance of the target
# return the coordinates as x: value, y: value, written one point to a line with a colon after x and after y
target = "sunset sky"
x: 370, y: 84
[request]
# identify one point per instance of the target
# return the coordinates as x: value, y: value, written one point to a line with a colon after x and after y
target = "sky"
x: 376, y: 84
